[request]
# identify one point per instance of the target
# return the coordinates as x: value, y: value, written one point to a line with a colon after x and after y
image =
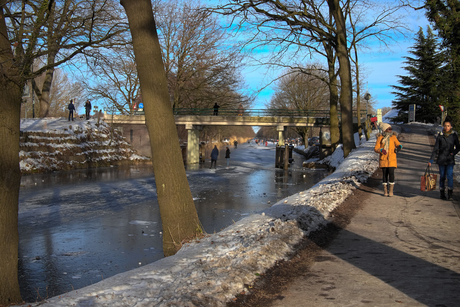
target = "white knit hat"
x: 384, y: 126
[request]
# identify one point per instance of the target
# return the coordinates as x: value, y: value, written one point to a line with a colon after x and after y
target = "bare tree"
x: 313, y: 24
x: 201, y: 60
x: 114, y: 79
x: 371, y: 22
x: 177, y: 209
x: 302, y: 91
x: 62, y: 90
x: 309, y: 27
x: 58, y: 31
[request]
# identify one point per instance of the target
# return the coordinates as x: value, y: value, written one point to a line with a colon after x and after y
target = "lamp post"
x: 367, y: 97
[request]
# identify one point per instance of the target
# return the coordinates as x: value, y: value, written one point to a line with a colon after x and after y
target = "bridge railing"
x: 252, y: 112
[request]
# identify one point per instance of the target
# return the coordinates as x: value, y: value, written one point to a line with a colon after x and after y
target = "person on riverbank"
x: 227, y: 156
x: 445, y: 148
x: 71, y: 108
x: 88, y: 109
x: 214, y: 155
x: 387, y: 146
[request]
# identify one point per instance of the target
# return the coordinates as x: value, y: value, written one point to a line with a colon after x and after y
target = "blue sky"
x: 380, y: 67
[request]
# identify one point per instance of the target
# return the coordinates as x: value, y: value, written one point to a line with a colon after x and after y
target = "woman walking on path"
x: 227, y: 156
x: 446, y: 147
x: 387, y: 146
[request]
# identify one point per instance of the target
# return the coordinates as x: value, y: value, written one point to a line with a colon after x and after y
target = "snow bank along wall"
x: 73, y: 146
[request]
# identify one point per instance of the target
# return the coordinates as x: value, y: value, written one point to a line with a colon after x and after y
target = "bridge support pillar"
x: 193, y: 143
x: 280, y: 130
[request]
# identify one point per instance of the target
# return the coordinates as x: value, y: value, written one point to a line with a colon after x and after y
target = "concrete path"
x: 397, y: 251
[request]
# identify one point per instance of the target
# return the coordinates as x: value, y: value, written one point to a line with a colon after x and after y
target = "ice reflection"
x: 79, y: 227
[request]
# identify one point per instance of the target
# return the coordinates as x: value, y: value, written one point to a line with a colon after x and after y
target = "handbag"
x: 428, y: 180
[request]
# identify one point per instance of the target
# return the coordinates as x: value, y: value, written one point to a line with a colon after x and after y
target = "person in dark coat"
x: 227, y: 156
x: 445, y: 148
x: 71, y: 108
x: 216, y: 109
x: 88, y: 109
x: 214, y: 154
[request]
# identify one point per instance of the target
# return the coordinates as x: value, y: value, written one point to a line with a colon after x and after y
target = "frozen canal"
x: 77, y: 228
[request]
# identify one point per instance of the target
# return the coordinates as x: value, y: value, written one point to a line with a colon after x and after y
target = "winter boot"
x: 385, y: 189
x: 392, y: 185
x: 443, y: 194
x: 449, y: 194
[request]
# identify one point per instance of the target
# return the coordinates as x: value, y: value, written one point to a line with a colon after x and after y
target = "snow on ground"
x: 49, y: 140
x: 211, y: 271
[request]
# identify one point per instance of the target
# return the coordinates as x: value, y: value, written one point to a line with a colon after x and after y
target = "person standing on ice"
x: 446, y: 147
x: 227, y: 156
x: 387, y: 146
x: 88, y: 109
x: 71, y: 108
x: 214, y: 155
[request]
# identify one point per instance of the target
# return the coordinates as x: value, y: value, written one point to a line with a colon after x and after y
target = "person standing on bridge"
x: 214, y: 155
x: 227, y: 156
x: 387, y: 146
x: 445, y: 148
x: 216, y: 109
x: 240, y: 110
x: 71, y: 108
x: 88, y: 109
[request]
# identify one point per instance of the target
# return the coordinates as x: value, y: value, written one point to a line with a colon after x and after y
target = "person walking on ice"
x: 445, y: 148
x: 227, y: 156
x: 387, y: 146
x: 214, y: 155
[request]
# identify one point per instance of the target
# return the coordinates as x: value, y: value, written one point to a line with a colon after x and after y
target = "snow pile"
x: 388, y: 117
x: 211, y: 271
x: 50, y: 144
x: 335, y: 159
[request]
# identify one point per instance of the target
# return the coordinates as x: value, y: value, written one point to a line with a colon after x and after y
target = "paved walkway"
x: 397, y: 251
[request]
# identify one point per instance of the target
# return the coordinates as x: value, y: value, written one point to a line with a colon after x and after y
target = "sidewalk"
x: 397, y: 251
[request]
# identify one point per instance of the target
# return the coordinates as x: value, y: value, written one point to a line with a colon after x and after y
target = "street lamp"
x: 367, y: 97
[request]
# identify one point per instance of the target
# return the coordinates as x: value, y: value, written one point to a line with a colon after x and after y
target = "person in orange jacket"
x: 387, y: 146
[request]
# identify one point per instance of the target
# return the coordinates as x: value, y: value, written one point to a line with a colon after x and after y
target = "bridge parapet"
x: 207, y: 120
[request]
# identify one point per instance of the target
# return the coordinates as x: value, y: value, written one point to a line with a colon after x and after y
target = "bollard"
x: 286, y: 156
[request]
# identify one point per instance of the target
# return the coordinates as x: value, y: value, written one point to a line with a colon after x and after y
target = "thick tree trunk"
x: 358, y: 94
x: 10, y: 100
x: 346, y: 92
x: 333, y: 97
x: 45, y: 92
x: 177, y: 209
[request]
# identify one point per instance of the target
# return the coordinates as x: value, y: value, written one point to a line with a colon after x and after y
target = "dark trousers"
x: 88, y: 112
x: 388, y: 173
x: 70, y: 115
x: 213, y: 162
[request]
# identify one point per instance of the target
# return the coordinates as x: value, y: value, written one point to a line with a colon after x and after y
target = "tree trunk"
x: 10, y: 100
x: 358, y: 94
x: 45, y: 92
x: 177, y: 209
x: 346, y: 92
x: 333, y: 97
